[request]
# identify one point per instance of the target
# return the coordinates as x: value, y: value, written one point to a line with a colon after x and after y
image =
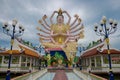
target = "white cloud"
x: 115, y: 4
x: 90, y: 35
x: 28, y: 12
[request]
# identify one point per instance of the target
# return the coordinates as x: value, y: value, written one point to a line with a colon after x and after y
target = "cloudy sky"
x: 28, y: 12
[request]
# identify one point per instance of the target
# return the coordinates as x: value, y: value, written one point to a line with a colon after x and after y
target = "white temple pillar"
x: 2, y: 60
x: 30, y: 67
x: 20, y: 59
x: 26, y: 62
x: 36, y: 62
x: 95, y: 61
x: 102, y: 63
x: 90, y: 61
x: 85, y: 61
x: 33, y: 61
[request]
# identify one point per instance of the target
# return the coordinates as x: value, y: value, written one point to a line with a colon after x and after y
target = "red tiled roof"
x: 29, y: 52
x: 92, y: 51
x: 95, y: 52
x: 17, y: 52
x: 112, y: 51
x: 8, y: 52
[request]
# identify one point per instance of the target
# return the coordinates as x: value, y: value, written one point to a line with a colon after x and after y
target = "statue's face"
x: 60, y: 19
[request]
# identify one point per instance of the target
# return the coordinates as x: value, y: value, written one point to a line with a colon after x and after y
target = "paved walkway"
x: 60, y: 75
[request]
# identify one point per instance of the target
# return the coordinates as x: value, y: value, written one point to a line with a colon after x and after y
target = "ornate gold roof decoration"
x: 60, y: 11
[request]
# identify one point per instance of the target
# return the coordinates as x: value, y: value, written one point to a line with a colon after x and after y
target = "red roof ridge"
x: 92, y: 51
x: 94, y: 47
x: 30, y: 52
x: 20, y: 44
x: 112, y: 51
x: 115, y: 49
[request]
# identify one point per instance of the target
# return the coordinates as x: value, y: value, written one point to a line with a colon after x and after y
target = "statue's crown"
x: 60, y: 11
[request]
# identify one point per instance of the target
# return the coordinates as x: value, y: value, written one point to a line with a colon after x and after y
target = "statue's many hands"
x: 76, y: 16
x: 56, y: 34
x: 38, y: 28
x: 64, y: 11
x: 79, y: 20
x: 55, y: 12
x: 40, y: 21
x: 44, y: 17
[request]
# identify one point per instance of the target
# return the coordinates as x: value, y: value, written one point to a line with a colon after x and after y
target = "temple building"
x: 96, y: 58
x: 24, y: 58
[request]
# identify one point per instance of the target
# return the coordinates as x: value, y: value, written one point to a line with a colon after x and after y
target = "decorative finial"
x: 60, y: 11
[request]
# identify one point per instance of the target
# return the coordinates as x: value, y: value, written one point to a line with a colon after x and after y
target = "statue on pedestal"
x: 61, y: 34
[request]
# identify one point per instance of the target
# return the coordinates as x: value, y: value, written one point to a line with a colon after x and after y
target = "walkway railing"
x: 18, y: 69
x: 87, y: 76
x: 105, y: 69
x: 102, y: 69
x: 31, y: 76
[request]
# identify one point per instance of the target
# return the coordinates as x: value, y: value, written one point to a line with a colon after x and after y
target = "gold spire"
x: 60, y: 11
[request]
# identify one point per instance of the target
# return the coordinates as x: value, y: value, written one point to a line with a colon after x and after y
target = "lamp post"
x: 105, y: 31
x: 80, y: 49
x: 11, y: 31
x: 40, y: 49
